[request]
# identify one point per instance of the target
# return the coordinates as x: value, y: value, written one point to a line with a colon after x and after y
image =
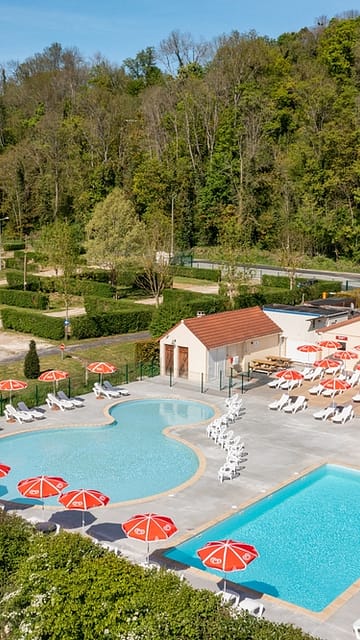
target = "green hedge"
x: 108, y: 324
x: 13, y: 245
x: 282, y: 282
x: 29, y: 299
x: 33, y: 322
x: 15, y: 280
x: 200, y: 274
x: 195, y: 301
x: 97, y: 275
x: 95, y: 305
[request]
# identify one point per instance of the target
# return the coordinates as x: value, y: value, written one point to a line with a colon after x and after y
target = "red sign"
x: 62, y: 346
x: 341, y: 337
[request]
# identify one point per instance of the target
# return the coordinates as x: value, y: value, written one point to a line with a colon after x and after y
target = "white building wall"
x: 180, y: 336
x: 298, y: 329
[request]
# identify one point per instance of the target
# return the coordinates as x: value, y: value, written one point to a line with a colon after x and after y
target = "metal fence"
x: 35, y: 394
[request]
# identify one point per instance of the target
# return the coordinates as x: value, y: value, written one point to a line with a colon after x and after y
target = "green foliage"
x: 107, y: 324
x: 282, y: 282
x: 32, y: 362
x: 147, y: 351
x: 214, y: 275
x: 65, y: 586
x: 32, y: 300
x: 94, y: 305
x: 13, y: 245
x: 15, y: 534
x: 15, y: 280
x: 33, y: 322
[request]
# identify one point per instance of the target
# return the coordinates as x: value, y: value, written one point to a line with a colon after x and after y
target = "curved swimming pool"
x: 128, y: 459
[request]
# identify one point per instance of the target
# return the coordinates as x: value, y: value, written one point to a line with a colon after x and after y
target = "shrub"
x: 108, y: 324
x: 32, y: 362
x: 29, y: 299
x: 26, y: 321
x: 201, y: 274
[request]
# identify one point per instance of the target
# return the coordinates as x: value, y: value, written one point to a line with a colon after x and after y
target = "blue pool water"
x: 307, y: 534
x: 130, y: 458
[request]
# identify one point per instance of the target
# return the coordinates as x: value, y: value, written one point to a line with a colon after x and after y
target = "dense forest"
x: 247, y: 136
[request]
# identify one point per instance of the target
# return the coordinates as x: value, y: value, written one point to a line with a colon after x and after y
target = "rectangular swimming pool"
x: 307, y: 534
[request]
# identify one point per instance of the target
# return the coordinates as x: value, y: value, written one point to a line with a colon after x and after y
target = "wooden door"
x: 183, y: 355
x: 169, y: 359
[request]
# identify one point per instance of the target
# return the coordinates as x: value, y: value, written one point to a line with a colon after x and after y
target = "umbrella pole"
x: 224, y: 582
x: 83, y: 520
x: 148, y: 553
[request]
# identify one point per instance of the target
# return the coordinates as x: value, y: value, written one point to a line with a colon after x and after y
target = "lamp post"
x: 1, y: 220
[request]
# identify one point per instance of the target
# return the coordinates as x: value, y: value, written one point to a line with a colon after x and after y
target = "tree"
x: 60, y: 244
x: 114, y: 233
x: 32, y: 362
x: 155, y: 259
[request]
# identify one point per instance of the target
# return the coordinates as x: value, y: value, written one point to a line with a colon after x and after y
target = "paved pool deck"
x: 280, y: 447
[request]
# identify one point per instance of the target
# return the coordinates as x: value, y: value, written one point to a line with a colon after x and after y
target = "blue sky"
x: 119, y: 29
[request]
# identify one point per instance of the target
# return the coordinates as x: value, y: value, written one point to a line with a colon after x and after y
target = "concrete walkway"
x: 279, y: 446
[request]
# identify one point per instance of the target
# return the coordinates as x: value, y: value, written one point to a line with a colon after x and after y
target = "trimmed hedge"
x: 107, y: 324
x: 15, y: 280
x: 29, y: 299
x: 13, y: 245
x: 37, y: 324
x: 195, y: 301
x: 147, y: 351
x: 200, y: 274
x: 95, y: 305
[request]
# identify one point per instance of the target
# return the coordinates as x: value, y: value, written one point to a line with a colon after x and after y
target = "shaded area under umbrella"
x: 12, y: 385
x: 227, y: 555
x: 83, y: 500
x: 149, y: 527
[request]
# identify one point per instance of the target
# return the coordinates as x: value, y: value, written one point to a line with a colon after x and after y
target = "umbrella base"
x: 12, y: 420
x: 55, y: 408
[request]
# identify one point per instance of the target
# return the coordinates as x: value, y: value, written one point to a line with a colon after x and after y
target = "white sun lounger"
x: 53, y: 401
x: 299, y: 404
x: 121, y: 390
x: 77, y: 402
x: 346, y: 414
x: 13, y: 414
x: 280, y: 403
x: 35, y: 413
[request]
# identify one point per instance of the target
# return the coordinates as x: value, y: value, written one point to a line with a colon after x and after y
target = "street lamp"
x: 1, y: 220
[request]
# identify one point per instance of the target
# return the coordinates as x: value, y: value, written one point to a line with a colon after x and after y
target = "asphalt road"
x: 349, y: 280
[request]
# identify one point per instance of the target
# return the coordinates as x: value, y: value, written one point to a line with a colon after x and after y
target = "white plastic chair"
x: 346, y: 414
x: 254, y: 607
x: 299, y: 404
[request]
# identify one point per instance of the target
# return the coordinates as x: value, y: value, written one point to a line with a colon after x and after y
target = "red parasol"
x: 149, y: 527
x: 309, y: 348
x: 83, y: 499
x: 326, y: 363
x: 54, y: 376
x: 102, y: 368
x: 12, y: 385
x: 289, y: 374
x: 4, y: 470
x: 345, y: 355
x: 330, y: 344
x: 335, y: 384
x: 227, y: 555
x: 41, y: 487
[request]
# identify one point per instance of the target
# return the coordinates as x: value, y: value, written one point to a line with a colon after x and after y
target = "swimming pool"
x: 307, y: 534
x: 128, y: 459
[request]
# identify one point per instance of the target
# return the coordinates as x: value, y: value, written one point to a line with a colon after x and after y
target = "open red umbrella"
x: 330, y: 344
x: 41, y: 487
x: 4, y: 470
x: 309, y: 348
x: 54, y: 376
x: 12, y: 385
x: 227, y: 555
x: 335, y: 384
x: 102, y: 368
x: 326, y: 363
x: 149, y: 527
x: 345, y: 355
x: 289, y: 374
x: 83, y: 500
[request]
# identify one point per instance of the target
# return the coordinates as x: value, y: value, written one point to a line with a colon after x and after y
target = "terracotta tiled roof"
x: 231, y: 327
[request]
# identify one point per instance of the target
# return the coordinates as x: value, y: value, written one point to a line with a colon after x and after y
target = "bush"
x: 108, y: 324
x: 201, y: 274
x: 32, y: 362
x: 95, y: 305
x: 29, y: 299
x: 15, y: 280
x: 147, y: 351
x: 13, y: 245
x: 37, y: 324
